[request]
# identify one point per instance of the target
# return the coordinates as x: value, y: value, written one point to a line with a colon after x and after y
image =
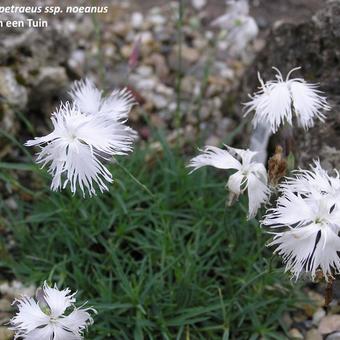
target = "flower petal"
x: 235, y: 182
x: 308, y: 103
x: 118, y: 104
x: 86, y: 96
x: 258, y: 193
x: 45, y: 333
x: 296, y: 247
x: 326, y: 253
x: 58, y: 300
x: 291, y: 210
x: 29, y: 316
x: 77, y: 321
x: 272, y: 105
x: 216, y: 157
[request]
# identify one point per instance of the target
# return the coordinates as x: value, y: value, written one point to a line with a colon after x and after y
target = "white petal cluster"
x: 240, y: 27
x: 277, y: 100
x: 49, y: 316
x: 249, y: 174
x: 86, y: 131
x: 306, y: 222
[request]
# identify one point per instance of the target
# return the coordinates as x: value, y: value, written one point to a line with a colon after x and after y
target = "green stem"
x: 144, y: 187
x: 179, y: 63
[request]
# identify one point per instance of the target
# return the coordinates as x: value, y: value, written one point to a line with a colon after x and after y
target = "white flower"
x: 277, y: 100
x: 249, y: 175
x: 85, y: 133
x: 49, y: 316
x: 90, y: 101
x: 315, y: 182
x: 306, y: 222
x: 239, y: 26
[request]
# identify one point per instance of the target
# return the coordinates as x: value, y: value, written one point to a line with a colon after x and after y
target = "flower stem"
x: 144, y: 187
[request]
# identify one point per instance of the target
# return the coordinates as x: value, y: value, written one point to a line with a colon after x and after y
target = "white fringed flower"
x: 277, y: 100
x: 90, y: 100
x: 240, y: 28
x: 249, y: 175
x: 50, y: 317
x: 85, y: 133
x: 306, y: 222
x: 315, y: 182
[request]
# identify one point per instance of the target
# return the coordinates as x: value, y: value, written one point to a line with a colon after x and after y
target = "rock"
x: 316, y: 298
x: 12, y: 204
x: 160, y: 65
x: 311, y: 45
x: 137, y: 20
x: 198, y: 4
x: 5, y: 333
x: 334, y: 336
x: 146, y: 37
x: 329, y: 324
x: 157, y: 19
x: 313, y: 334
x: 146, y: 84
x: 189, y: 57
x: 76, y: 62
x: 287, y: 320
x: 5, y: 306
x: 13, y: 98
x: 16, y: 289
x: 159, y: 101
x: 189, y: 54
x: 294, y: 333
x: 213, y: 140
x: 144, y: 71
x: 50, y: 82
x: 318, y: 316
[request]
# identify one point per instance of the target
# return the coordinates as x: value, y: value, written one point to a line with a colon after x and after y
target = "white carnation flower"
x: 85, y: 133
x: 249, y: 175
x: 306, y: 222
x: 49, y: 316
x: 315, y: 182
x: 277, y: 101
x: 90, y: 100
x: 241, y: 28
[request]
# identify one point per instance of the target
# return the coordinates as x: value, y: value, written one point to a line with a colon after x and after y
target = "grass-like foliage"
x: 176, y: 264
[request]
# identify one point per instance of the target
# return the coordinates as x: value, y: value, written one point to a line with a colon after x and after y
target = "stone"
x: 5, y: 306
x: 159, y: 101
x: 318, y: 316
x: 198, y: 4
x: 50, y: 82
x: 16, y: 289
x: 13, y: 97
x: 329, y: 324
x: 213, y: 140
x: 295, y: 334
x: 334, y: 336
x: 144, y: 71
x: 5, y: 333
x: 287, y: 320
x: 160, y: 65
x: 157, y: 19
x: 313, y: 334
x: 137, y: 20
x: 189, y: 54
x: 76, y: 62
x: 189, y: 57
x: 147, y: 84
